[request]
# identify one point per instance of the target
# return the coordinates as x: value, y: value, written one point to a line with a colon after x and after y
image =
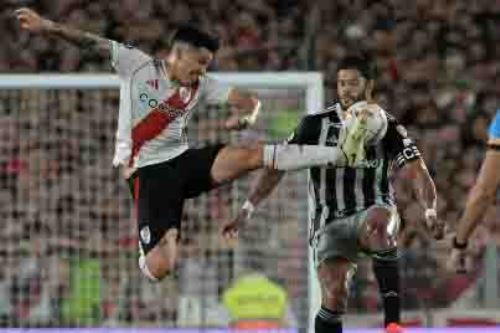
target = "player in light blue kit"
x: 481, y: 196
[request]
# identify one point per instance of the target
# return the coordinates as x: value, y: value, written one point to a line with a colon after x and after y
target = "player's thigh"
x: 338, y: 239
x: 194, y: 167
x: 233, y: 162
x: 159, y: 203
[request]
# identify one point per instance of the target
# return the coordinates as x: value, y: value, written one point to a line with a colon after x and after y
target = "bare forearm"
x: 264, y: 186
x: 481, y: 196
x: 475, y: 209
x: 424, y: 188
x: 85, y: 40
x: 31, y: 21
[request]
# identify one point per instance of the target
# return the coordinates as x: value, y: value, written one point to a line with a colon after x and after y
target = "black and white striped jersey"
x: 337, y: 192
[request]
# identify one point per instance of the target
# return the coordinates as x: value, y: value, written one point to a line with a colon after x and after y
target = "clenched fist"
x: 31, y: 21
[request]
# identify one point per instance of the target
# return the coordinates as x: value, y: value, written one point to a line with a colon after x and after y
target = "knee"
x: 160, y: 260
x: 378, y: 217
x: 376, y: 235
x: 155, y: 269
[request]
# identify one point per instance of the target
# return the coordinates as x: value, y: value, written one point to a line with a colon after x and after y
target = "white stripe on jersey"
x: 325, y: 125
x: 339, y: 189
x: 358, y: 188
x: 379, y: 174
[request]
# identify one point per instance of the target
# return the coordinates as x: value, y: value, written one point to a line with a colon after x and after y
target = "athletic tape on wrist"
x: 459, y: 246
x: 430, y: 212
x: 249, y: 208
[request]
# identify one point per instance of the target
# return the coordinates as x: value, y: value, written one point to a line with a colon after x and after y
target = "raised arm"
x: 33, y: 22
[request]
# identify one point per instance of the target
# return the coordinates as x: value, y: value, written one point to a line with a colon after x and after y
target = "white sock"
x: 294, y: 157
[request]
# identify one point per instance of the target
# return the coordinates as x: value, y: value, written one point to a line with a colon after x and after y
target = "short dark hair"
x: 362, y: 63
x: 195, y: 37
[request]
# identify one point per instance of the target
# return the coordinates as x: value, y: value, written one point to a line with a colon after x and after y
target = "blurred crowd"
x: 66, y: 215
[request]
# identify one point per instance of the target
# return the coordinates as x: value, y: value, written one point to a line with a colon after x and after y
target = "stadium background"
x: 67, y: 240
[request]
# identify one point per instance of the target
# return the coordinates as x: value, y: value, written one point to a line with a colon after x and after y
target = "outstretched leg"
x: 233, y: 162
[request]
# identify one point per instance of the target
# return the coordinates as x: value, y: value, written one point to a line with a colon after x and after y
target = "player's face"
x: 190, y: 64
x: 351, y: 87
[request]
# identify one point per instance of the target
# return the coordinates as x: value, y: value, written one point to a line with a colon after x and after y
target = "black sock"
x: 387, y: 273
x: 328, y: 321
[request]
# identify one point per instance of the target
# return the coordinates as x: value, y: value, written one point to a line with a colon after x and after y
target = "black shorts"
x: 159, y: 191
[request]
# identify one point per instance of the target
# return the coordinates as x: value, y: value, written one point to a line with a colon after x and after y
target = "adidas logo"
x: 153, y: 83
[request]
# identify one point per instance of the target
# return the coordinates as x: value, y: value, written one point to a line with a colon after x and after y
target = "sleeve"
x: 125, y: 59
x: 302, y: 135
x: 401, y: 148
x: 214, y: 91
x: 494, y: 131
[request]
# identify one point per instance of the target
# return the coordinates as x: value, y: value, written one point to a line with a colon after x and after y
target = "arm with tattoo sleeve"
x: 33, y: 22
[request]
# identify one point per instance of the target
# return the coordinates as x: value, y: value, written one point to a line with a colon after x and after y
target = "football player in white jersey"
x: 157, y: 98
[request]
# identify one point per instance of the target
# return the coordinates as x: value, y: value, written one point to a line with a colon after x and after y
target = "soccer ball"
x: 371, y: 117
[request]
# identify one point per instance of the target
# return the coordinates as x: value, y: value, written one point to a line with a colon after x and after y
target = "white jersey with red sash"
x: 154, y: 111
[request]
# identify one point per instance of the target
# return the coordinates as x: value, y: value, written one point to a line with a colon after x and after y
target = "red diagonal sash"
x: 157, y: 120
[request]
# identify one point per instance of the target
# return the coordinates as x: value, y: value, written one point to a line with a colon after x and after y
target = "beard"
x: 347, y: 101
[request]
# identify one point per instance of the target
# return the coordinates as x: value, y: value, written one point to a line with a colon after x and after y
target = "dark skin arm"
x: 425, y: 193
x: 267, y: 181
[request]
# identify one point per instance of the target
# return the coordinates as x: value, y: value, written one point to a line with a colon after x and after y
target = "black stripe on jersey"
x: 350, y: 175
x: 331, y: 194
x: 384, y: 183
x: 369, y: 179
x: 315, y: 174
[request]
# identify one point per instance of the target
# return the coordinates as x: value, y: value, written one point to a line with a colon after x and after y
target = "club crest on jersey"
x: 145, y: 234
x: 185, y: 93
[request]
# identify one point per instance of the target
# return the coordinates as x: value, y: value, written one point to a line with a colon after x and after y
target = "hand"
x: 127, y: 172
x: 435, y: 226
x: 231, y: 229
x: 459, y: 261
x: 31, y: 21
x: 235, y: 123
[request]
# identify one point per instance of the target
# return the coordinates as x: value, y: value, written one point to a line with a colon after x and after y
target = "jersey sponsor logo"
x: 165, y: 107
x: 371, y: 164
x: 145, y: 234
x: 185, y: 93
x: 145, y: 99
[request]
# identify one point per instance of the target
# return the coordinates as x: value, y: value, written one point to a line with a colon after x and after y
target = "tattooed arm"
x: 33, y: 22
